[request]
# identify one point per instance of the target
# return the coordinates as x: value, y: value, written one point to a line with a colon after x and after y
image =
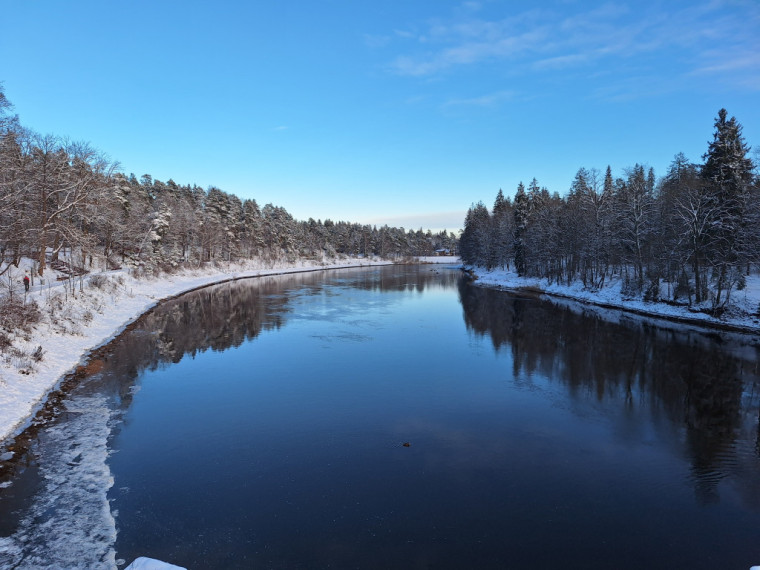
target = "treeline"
x: 57, y: 196
x: 690, y: 237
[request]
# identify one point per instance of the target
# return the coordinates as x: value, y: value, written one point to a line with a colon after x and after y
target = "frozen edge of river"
x: 92, y: 318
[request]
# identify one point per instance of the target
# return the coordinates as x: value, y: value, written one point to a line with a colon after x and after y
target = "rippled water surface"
x: 393, y: 417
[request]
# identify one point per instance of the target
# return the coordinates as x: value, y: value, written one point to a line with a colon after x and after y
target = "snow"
x: 741, y: 316
x: 91, y: 317
x: 143, y: 563
x: 450, y: 259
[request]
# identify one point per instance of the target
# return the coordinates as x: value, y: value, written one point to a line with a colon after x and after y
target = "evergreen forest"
x: 690, y: 237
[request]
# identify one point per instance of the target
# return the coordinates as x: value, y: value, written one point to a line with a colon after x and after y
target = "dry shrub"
x: 17, y: 316
x: 98, y: 281
x: 23, y: 360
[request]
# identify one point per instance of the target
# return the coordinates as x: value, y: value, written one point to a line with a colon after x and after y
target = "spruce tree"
x: 501, y: 228
x: 500, y: 206
x: 728, y: 173
x: 521, y: 212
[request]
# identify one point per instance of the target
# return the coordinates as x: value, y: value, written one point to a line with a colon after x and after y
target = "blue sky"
x: 396, y: 111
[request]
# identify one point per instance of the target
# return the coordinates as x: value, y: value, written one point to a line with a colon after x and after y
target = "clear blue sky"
x: 394, y: 111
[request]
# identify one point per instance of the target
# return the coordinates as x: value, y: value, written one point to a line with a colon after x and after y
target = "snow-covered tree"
x: 502, y: 228
x: 635, y: 208
x: 728, y: 171
x: 521, y: 213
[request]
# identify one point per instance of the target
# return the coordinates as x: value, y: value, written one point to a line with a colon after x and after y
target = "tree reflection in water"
x: 224, y: 316
x: 706, y: 385
x: 668, y: 391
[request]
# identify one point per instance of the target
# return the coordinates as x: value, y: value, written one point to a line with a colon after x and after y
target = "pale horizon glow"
x: 395, y: 112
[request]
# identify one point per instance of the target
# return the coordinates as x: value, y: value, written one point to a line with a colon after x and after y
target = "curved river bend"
x: 394, y: 417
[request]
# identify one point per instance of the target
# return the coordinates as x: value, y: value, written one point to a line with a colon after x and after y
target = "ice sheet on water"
x: 143, y: 563
x: 69, y: 524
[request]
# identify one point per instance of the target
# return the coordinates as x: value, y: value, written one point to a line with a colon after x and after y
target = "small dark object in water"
x: 406, y: 444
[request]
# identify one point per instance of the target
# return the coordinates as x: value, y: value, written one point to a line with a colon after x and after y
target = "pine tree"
x: 502, y: 232
x: 608, y: 184
x: 500, y: 205
x: 728, y: 172
x: 521, y: 212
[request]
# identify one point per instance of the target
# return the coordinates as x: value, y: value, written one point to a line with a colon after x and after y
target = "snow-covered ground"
x: 741, y: 315
x: 440, y: 259
x: 99, y: 308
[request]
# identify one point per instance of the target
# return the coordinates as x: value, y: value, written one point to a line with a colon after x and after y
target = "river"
x: 392, y: 417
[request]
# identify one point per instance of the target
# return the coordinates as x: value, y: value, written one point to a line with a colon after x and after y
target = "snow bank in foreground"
x: 92, y: 317
x: 742, y: 313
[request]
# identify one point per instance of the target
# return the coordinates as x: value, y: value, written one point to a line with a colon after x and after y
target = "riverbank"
x: 743, y: 315
x: 100, y: 307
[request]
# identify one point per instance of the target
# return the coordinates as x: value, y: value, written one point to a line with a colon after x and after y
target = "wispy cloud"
x: 280, y: 128
x: 659, y: 37
x: 406, y: 34
x: 561, y: 61
x: 376, y: 41
x: 489, y: 100
x: 473, y: 6
x: 466, y: 53
x: 726, y: 63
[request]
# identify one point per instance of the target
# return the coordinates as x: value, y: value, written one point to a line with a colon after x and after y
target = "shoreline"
x: 68, y: 347
x: 747, y: 324
x: 65, y: 354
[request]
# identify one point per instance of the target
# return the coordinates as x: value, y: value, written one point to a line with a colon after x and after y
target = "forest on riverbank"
x: 691, y: 238
x: 59, y: 196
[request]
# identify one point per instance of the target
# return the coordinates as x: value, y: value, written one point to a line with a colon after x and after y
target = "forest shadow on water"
x: 708, y: 391
x: 392, y: 417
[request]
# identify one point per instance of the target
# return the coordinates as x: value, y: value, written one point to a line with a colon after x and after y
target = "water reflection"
x: 213, y: 318
x: 287, y: 450
x: 703, y: 386
x: 224, y: 316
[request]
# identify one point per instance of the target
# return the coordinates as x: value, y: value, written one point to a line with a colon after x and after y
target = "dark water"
x: 262, y: 424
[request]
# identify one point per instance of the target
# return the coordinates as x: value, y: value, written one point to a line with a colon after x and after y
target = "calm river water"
x: 393, y: 417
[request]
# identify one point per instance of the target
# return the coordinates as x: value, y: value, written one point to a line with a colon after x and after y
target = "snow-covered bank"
x: 450, y: 259
x: 742, y: 315
x: 74, y: 324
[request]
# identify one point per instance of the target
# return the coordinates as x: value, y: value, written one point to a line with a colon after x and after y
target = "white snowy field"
x: 743, y: 313
x: 99, y: 308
